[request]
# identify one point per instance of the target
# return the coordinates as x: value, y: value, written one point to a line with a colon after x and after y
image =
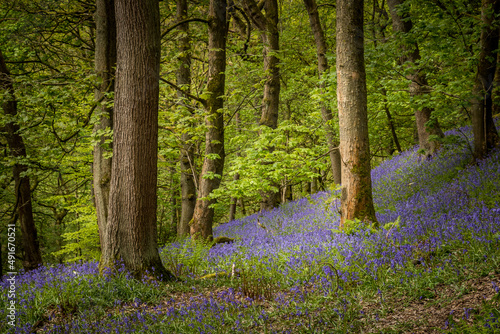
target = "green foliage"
x: 83, y: 243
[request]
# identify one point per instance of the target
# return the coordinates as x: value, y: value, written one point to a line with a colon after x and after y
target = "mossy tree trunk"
x: 213, y: 164
x: 485, y: 134
x: 32, y: 257
x: 326, y: 113
x: 105, y: 63
x: 427, y: 125
x: 187, y: 163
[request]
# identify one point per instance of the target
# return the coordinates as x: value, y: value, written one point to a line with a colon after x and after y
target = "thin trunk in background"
x: 427, y: 126
x: 188, y: 186
x: 326, y: 113
x: 356, y: 196
x: 390, y: 122
x: 213, y: 164
x: 32, y: 257
x: 105, y: 63
x: 485, y: 134
x: 236, y: 177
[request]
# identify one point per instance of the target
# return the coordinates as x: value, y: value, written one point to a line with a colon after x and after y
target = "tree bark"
x: 131, y: 234
x: 32, y: 257
x: 105, y: 62
x: 326, y: 113
x: 485, y: 134
x: 188, y: 186
x: 356, y: 195
x: 426, y: 125
x: 213, y: 164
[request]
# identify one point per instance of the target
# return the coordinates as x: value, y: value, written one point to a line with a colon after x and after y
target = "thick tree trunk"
x: 326, y: 113
x: 32, y: 257
x: 131, y: 233
x: 188, y: 186
x: 426, y: 126
x: 356, y: 195
x: 483, y: 127
x: 105, y: 62
x: 213, y: 165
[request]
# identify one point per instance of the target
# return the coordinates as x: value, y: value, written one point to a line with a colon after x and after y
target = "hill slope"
x: 433, y: 267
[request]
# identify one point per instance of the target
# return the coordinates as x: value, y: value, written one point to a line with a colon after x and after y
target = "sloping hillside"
x: 434, y: 266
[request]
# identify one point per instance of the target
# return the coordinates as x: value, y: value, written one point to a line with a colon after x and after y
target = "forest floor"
x: 432, y: 267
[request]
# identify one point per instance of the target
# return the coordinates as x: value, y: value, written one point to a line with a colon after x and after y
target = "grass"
x: 433, y: 267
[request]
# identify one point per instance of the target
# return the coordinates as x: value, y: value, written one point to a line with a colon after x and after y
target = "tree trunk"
x: 326, y: 113
x: 188, y: 186
x: 213, y: 164
x: 353, y: 119
x: 496, y: 88
x: 268, y: 26
x: 483, y: 127
x: 32, y: 256
x: 236, y: 177
x: 390, y: 122
x: 234, y: 201
x: 426, y: 125
x: 105, y: 62
x: 131, y: 232
x: 242, y: 205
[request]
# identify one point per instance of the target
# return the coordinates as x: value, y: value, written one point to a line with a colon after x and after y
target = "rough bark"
x: 131, y: 232
x: 426, y: 125
x: 326, y: 113
x: 32, y: 257
x: 188, y: 186
x: 356, y: 198
x: 105, y: 62
x: 213, y: 164
x: 483, y: 127
x: 268, y: 26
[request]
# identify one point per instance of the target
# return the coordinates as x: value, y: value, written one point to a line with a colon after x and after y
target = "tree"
x: 268, y: 25
x: 188, y: 186
x: 356, y: 194
x: 213, y: 164
x: 23, y: 209
x: 426, y: 125
x: 483, y: 127
x: 131, y: 232
x: 105, y: 62
x: 326, y: 113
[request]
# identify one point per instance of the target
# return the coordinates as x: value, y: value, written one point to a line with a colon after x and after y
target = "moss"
x: 222, y: 240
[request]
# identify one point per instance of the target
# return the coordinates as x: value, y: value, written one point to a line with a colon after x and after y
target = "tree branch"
x: 199, y: 99
x: 169, y: 29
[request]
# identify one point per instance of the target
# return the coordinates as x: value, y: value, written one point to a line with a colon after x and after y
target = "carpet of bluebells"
x: 290, y: 270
